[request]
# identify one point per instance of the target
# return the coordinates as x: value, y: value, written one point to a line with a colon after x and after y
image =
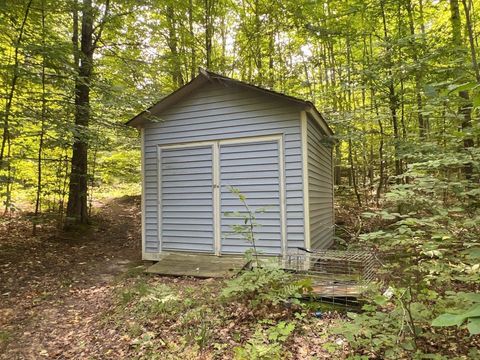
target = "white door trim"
x: 279, y: 138
x: 242, y: 140
x: 216, y: 194
x: 159, y: 184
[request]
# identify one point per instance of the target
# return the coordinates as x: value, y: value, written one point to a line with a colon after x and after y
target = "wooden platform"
x: 198, y: 265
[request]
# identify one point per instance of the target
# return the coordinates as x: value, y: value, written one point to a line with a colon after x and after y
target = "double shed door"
x: 197, y: 207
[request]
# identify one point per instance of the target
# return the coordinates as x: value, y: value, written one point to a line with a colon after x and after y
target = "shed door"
x: 187, y: 199
x: 254, y: 169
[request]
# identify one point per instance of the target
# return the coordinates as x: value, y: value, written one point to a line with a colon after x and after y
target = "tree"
x: 465, y: 109
x: 78, y: 188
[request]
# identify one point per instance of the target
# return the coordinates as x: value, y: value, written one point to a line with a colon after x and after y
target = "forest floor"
x: 65, y: 296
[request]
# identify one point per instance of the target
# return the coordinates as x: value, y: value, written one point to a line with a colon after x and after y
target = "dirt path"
x: 54, y: 289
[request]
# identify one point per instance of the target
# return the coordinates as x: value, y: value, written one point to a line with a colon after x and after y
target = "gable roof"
x: 205, y: 77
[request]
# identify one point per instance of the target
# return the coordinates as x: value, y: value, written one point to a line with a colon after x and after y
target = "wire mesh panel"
x: 338, y: 275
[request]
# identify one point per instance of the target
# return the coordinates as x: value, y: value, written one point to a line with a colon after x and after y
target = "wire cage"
x: 339, y: 276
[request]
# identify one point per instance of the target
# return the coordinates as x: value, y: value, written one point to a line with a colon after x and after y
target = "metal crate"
x: 338, y: 275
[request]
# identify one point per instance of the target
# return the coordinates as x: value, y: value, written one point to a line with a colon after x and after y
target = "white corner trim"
x: 333, y: 192
x: 217, y: 231
x: 142, y: 194
x: 306, y: 205
x: 159, y: 198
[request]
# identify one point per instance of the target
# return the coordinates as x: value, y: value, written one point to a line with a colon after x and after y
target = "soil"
x: 55, y: 288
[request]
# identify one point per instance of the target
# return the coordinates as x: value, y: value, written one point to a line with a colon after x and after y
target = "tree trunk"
x: 465, y: 109
x: 392, y: 96
x: 418, y: 74
x: 338, y: 164
x: 6, y: 140
x: 193, y: 66
x: 173, y: 45
x: 42, y: 128
x: 208, y: 32
x: 471, y: 39
x: 11, y: 92
x: 353, y: 175
x: 77, y: 197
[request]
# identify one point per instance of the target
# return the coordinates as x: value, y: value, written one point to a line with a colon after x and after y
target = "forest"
x: 398, y: 81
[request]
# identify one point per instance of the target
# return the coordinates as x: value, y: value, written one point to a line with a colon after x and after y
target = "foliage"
x: 266, y: 286
x: 467, y: 308
x: 188, y: 318
x: 385, y: 327
x: 266, y: 344
x: 429, y: 237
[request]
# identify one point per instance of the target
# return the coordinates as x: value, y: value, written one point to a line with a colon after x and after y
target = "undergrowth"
x: 238, y: 318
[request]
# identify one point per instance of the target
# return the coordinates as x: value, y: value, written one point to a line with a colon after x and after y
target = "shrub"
x: 266, y: 286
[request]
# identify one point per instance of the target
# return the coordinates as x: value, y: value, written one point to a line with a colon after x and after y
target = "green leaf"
x: 473, y: 297
x: 462, y: 87
x: 352, y: 315
x: 473, y: 253
x: 448, y: 320
x: 473, y: 325
x: 476, y: 101
x: 408, y: 345
x: 380, y: 300
x: 474, y: 311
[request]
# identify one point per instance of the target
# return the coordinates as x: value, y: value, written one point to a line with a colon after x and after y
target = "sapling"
x: 246, y: 229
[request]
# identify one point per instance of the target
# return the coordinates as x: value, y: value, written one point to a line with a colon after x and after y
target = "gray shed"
x: 215, y: 133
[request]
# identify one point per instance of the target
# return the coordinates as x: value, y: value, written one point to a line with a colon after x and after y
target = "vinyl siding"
x: 216, y: 112
x: 320, y: 187
x: 260, y: 161
x: 186, y: 203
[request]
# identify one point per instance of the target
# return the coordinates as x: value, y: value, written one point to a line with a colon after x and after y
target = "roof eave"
x: 319, y: 118
x: 143, y: 117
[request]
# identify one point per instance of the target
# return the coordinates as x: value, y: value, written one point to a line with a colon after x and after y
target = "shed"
x: 215, y: 133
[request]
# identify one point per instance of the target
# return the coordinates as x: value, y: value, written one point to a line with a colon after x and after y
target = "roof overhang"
x: 318, y: 117
x: 149, y: 114
x: 204, y: 77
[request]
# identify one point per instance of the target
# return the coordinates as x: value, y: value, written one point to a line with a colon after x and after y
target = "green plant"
x: 198, y: 324
x: 266, y: 344
x: 246, y: 229
x: 265, y: 286
x: 386, y: 326
x: 467, y: 308
x: 428, y: 234
x: 266, y: 283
